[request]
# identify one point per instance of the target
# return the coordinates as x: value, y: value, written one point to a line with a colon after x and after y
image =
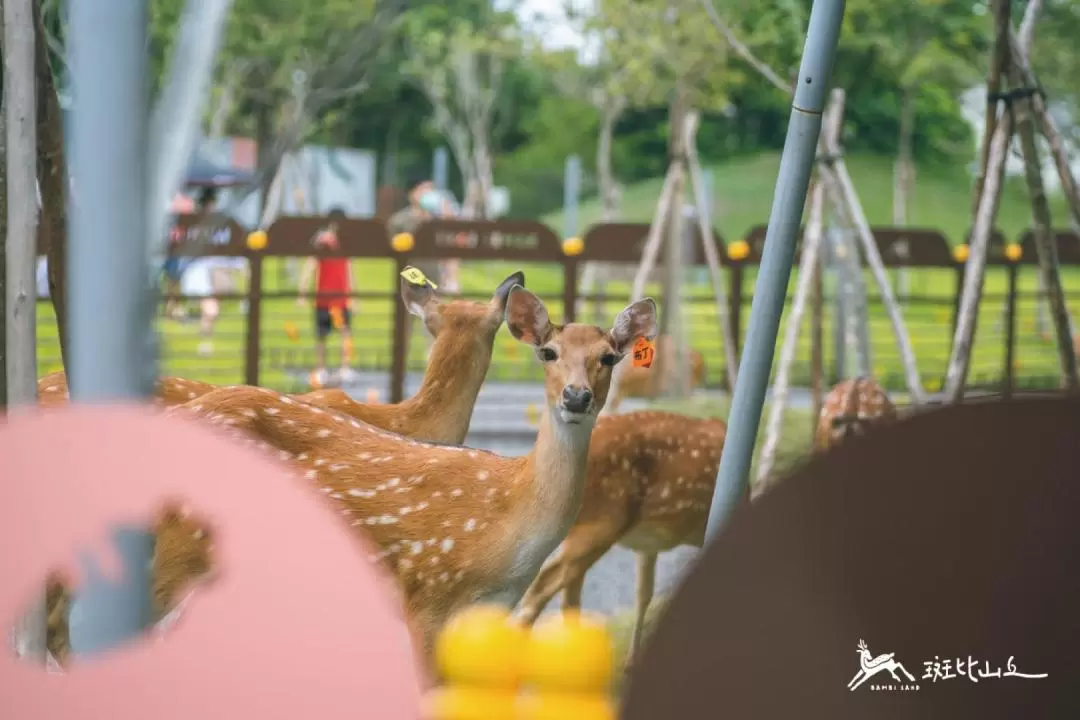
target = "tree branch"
x: 743, y: 51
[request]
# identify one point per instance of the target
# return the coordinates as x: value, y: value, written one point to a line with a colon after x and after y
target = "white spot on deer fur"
x: 444, y: 576
x: 191, y: 395
x: 285, y: 455
x: 357, y: 492
x: 338, y: 467
x: 434, y: 560
x: 405, y: 563
x: 387, y: 520
x: 483, y: 475
x: 337, y: 496
x: 470, y: 524
x: 271, y: 411
x: 405, y: 510
x: 417, y: 548
x: 364, y: 455
x: 694, y: 453
x: 354, y: 423
x: 319, y: 462
x: 447, y: 544
x: 393, y: 482
x: 472, y: 453
x: 665, y: 492
x: 323, y: 433
x: 311, y: 474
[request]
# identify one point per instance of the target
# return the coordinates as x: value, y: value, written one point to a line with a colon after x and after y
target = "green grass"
x: 744, y: 192
x: 794, y: 445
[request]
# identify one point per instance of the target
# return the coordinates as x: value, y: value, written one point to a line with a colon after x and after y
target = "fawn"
x: 650, y: 483
x: 455, y: 525
x: 440, y: 411
x: 849, y: 408
x: 641, y: 382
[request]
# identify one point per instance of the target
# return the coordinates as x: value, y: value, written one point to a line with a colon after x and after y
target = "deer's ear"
x: 526, y: 317
x: 418, y: 299
x: 502, y: 293
x: 635, y: 321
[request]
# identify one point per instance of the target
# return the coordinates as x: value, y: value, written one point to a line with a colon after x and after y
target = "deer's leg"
x: 583, y: 546
x: 572, y: 593
x: 646, y: 584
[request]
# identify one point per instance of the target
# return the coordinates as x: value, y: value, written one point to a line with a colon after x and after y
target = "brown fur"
x: 455, y: 525
x: 650, y: 483
x: 440, y: 411
x: 849, y: 408
x: 640, y: 382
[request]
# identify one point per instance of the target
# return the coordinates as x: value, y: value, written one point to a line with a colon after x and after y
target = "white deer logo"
x: 868, y: 667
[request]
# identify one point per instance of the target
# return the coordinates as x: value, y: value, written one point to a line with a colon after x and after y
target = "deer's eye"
x: 546, y: 354
x: 610, y: 359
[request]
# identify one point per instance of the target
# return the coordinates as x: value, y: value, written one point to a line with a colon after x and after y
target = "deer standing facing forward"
x: 849, y: 408
x: 650, y: 482
x: 441, y: 409
x: 455, y: 525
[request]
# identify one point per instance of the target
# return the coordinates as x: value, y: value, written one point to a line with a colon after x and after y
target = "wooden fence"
x: 1019, y: 360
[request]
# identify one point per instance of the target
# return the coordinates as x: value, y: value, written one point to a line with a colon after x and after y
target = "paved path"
x: 500, y: 423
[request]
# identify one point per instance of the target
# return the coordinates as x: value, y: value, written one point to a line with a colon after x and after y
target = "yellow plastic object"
x: 402, y: 242
x: 292, y: 332
x: 481, y: 646
x: 1014, y: 251
x: 738, y: 250
x: 470, y: 703
x: 569, y: 652
x: 257, y: 240
x: 565, y: 706
x: 573, y: 246
x: 960, y: 253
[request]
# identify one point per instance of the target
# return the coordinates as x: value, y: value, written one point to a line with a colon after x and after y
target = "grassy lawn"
x: 744, y: 192
x: 793, y: 447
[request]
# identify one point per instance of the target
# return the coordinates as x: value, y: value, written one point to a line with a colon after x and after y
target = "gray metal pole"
x: 571, y: 196
x: 107, y: 277
x: 440, y: 171
x: 789, y: 198
x: 20, y: 284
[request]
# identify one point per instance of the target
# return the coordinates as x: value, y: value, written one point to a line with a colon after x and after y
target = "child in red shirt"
x: 333, y: 308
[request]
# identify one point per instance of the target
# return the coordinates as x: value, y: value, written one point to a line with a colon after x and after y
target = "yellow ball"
x: 257, y: 240
x: 402, y: 242
x: 738, y: 250
x: 960, y: 253
x: 470, y: 703
x: 481, y: 646
x: 573, y: 246
x: 1014, y: 251
x: 569, y: 652
x: 559, y: 706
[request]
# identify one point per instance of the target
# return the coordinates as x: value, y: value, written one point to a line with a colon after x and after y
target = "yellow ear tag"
x: 643, y: 352
x: 414, y: 276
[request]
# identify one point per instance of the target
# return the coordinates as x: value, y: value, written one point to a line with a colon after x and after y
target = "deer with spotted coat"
x: 454, y: 525
x: 650, y: 482
x: 850, y: 408
x: 441, y: 409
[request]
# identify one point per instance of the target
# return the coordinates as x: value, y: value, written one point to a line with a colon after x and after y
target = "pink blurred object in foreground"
x: 296, y: 624
x: 181, y: 204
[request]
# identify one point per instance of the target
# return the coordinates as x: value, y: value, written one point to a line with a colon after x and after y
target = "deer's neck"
x: 554, y: 482
x: 447, y: 395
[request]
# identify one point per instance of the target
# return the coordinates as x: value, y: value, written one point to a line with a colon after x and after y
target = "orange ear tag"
x: 643, y: 352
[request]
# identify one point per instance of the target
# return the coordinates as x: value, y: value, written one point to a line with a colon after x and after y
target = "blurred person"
x: 333, y: 308
x: 206, y: 276
x: 175, y: 266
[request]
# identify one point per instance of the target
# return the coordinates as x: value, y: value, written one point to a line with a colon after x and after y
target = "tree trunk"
x: 992, y: 177
x: 674, y: 375
x: 597, y: 274
x: 701, y: 200
x: 656, y: 235
x: 877, y: 267
x: 904, y: 175
x: 52, y: 180
x: 998, y: 60
x: 1045, y: 241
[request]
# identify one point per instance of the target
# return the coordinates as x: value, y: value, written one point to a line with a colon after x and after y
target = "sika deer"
x: 455, y: 525
x: 849, y: 408
x: 464, y: 333
x: 650, y: 482
x: 642, y: 382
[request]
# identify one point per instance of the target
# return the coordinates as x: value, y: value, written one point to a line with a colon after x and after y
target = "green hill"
x: 743, y: 190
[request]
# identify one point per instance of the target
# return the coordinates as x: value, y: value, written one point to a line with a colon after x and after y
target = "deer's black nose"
x: 576, y: 399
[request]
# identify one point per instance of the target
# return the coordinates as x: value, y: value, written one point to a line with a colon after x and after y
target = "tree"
x: 460, y: 67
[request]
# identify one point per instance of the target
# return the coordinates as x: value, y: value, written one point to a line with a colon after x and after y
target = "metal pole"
x: 20, y: 282
x: 789, y: 198
x: 107, y: 273
x: 440, y: 168
x: 571, y: 194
